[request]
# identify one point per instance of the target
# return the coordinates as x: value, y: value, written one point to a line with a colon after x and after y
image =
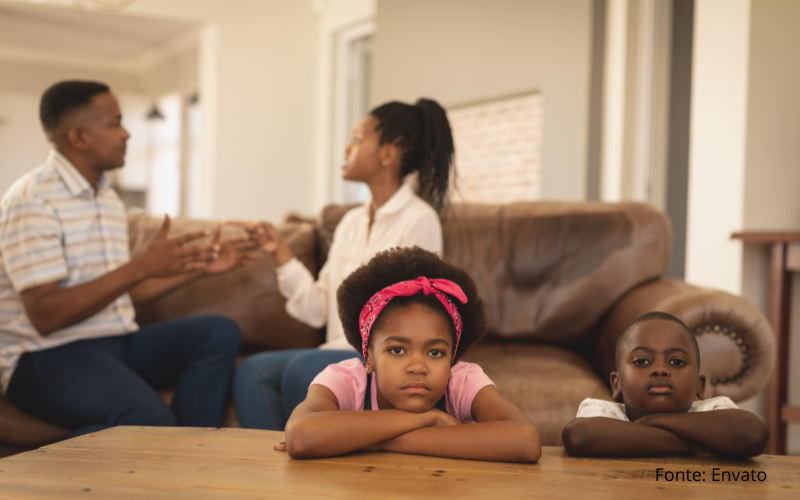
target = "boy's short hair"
x: 404, y: 264
x: 64, y: 97
x: 651, y: 316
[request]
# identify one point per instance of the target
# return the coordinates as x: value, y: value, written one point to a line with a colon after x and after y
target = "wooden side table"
x: 784, y: 260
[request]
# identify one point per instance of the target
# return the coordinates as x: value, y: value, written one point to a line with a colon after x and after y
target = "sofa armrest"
x: 737, y: 344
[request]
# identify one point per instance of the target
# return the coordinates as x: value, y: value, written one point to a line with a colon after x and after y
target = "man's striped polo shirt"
x: 53, y: 227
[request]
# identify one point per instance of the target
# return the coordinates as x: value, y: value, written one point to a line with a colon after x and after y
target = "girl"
x: 390, y: 143
x: 413, y: 316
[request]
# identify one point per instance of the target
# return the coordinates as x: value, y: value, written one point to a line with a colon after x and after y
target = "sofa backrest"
x: 548, y: 271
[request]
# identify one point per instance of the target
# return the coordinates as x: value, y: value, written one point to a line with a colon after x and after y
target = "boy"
x: 662, y: 410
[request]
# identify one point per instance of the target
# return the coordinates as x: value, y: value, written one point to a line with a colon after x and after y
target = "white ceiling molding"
x: 137, y: 64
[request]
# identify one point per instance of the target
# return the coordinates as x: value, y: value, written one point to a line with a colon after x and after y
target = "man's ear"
x: 701, y: 387
x: 76, y: 137
x: 616, y: 391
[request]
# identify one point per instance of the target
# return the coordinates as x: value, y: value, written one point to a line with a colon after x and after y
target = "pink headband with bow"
x: 442, y: 289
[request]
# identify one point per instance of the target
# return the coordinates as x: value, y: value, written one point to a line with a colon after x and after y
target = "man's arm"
x: 502, y: 433
x: 608, y: 437
x: 50, y: 307
x: 726, y: 431
x: 318, y: 429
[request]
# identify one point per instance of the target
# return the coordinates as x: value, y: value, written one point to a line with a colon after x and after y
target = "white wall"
x: 258, y: 68
x: 462, y: 51
x: 334, y: 16
x: 772, y: 173
x: 717, y: 150
x: 745, y: 156
x: 22, y: 143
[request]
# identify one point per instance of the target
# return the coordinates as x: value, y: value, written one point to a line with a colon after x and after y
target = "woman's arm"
x: 728, y: 432
x: 318, y: 429
x: 502, y: 434
x: 608, y: 437
x: 306, y: 299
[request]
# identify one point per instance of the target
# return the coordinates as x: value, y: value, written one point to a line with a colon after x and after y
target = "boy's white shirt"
x: 600, y: 408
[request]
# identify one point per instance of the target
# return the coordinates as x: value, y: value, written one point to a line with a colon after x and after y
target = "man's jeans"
x: 89, y: 385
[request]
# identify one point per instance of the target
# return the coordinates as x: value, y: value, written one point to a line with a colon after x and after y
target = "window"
x: 353, y: 65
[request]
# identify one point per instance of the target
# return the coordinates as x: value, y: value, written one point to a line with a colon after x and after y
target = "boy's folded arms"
x: 662, y: 410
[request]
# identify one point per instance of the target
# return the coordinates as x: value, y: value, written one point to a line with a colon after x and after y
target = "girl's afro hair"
x: 404, y: 264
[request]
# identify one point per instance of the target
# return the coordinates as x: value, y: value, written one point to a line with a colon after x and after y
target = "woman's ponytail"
x: 436, y: 150
x: 423, y: 134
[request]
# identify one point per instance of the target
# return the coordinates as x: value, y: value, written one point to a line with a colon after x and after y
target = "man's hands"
x: 166, y: 257
x: 265, y: 236
x: 232, y: 253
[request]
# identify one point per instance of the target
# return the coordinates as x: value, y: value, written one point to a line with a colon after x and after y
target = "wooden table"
x: 784, y: 260
x: 178, y: 463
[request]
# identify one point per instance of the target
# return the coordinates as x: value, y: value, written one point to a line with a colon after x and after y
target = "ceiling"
x: 45, y: 28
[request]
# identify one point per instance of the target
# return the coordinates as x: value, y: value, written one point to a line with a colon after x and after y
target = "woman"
x: 391, y: 142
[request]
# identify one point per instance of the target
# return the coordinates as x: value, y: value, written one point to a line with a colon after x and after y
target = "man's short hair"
x: 65, y: 97
x: 651, y: 316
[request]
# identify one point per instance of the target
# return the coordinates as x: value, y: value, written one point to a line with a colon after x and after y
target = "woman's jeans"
x: 268, y: 386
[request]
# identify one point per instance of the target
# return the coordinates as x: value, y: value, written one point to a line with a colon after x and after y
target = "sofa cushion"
x: 546, y: 383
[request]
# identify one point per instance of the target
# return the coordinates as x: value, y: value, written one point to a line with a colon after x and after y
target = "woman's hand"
x: 268, y: 238
x: 279, y: 446
x: 232, y: 253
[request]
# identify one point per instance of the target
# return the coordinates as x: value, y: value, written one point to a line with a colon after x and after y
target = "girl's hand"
x: 279, y: 446
x: 442, y: 419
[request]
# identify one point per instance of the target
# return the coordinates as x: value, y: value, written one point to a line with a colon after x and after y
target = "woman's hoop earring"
x: 450, y: 376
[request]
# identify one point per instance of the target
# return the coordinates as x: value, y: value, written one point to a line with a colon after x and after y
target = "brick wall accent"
x: 498, y: 150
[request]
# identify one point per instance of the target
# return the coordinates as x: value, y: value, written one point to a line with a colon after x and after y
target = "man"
x: 70, y: 349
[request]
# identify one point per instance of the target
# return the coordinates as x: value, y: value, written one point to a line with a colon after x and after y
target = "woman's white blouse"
x: 403, y: 221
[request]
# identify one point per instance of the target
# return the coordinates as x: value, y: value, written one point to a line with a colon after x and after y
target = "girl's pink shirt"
x: 347, y: 381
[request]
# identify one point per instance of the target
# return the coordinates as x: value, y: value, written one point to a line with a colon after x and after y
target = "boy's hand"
x: 647, y: 419
x: 279, y: 446
x: 702, y: 452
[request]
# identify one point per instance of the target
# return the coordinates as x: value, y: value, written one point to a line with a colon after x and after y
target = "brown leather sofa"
x: 561, y: 281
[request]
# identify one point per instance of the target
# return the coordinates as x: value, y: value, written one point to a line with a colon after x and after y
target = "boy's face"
x: 410, y: 356
x: 658, y: 370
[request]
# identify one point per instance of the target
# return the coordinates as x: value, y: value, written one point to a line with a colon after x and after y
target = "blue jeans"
x: 268, y: 386
x: 93, y: 384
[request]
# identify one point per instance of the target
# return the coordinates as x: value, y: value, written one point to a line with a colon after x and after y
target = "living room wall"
x: 772, y: 158
x: 463, y: 51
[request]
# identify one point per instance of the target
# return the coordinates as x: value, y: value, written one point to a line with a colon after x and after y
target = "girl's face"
x: 410, y: 356
x: 364, y: 156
